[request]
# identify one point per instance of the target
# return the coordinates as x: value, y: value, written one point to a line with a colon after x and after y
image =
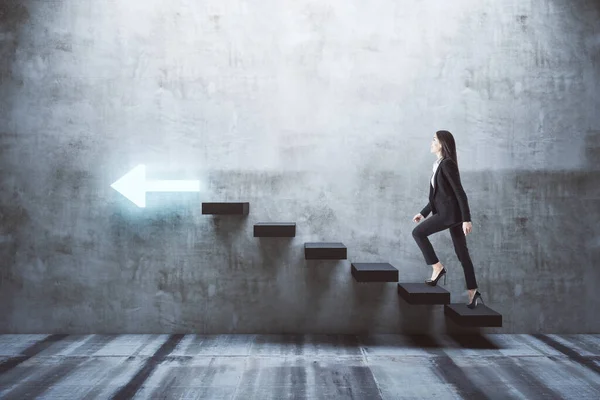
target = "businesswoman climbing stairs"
x: 450, y: 207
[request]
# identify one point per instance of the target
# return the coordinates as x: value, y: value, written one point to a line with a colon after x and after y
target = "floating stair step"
x: 275, y: 229
x: 422, y: 293
x: 480, y: 316
x: 325, y: 251
x: 225, y: 208
x: 374, y: 272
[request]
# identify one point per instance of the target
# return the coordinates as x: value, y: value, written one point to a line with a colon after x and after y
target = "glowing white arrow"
x: 134, y: 186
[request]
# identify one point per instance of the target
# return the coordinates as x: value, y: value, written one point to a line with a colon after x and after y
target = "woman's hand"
x: 467, y: 227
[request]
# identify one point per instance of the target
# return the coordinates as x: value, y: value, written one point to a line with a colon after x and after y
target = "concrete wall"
x: 317, y: 112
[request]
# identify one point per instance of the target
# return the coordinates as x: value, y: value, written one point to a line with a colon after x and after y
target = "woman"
x: 450, y: 207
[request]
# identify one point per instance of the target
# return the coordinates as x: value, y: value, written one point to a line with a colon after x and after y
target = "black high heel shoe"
x: 476, y: 297
x: 435, y: 281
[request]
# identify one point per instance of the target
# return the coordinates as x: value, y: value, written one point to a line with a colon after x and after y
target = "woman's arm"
x: 425, y: 211
x: 450, y: 170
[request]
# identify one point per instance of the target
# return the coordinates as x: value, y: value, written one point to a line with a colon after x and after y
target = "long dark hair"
x: 448, y: 145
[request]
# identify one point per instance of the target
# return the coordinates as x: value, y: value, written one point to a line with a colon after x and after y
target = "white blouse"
x: 435, y: 167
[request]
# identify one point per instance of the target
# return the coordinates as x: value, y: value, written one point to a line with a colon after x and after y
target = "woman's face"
x: 435, y: 145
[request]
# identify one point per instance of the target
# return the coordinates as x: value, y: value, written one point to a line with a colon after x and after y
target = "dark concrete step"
x: 421, y: 293
x: 480, y: 316
x: 325, y: 251
x: 374, y: 272
x: 275, y: 229
x: 226, y: 208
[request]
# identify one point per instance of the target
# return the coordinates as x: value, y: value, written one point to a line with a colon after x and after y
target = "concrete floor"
x: 498, y: 366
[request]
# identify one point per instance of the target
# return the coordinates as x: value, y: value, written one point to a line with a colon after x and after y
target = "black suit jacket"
x: 448, y: 197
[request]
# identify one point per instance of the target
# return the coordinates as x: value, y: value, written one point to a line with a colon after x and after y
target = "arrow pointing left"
x: 134, y: 186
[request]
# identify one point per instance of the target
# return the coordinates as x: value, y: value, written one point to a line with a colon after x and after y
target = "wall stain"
x: 522, y: 20
x: 13, y: 14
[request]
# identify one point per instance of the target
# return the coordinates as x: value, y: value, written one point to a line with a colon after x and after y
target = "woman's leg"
x: 425, y: 228
x: 462, y: 252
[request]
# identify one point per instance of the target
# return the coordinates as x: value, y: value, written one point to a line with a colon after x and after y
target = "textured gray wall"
x: 317, y: 112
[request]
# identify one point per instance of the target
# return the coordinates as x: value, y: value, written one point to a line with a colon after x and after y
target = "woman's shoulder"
x: 451, y: 163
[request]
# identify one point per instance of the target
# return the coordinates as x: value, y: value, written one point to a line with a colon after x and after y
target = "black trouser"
x: 435, y: 224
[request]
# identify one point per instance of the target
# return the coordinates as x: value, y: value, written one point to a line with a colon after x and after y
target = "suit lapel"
x: 435, y: 177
